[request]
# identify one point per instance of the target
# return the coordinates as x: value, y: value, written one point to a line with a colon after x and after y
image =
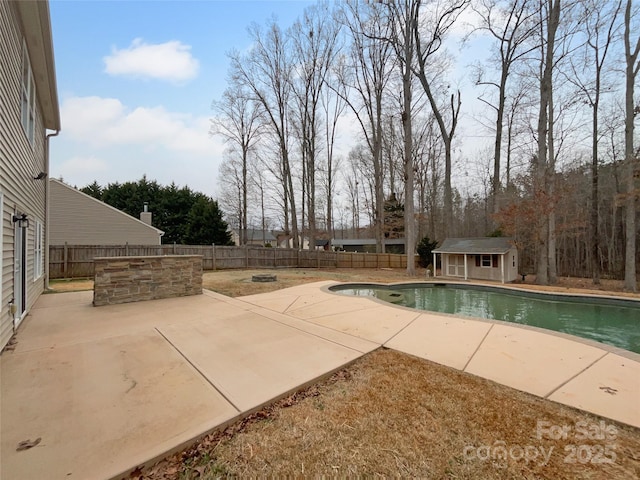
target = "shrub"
x: 424, y: 249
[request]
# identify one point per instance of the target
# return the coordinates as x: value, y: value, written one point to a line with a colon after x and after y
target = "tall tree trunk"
x: 631, y: 57
x: 541, y: 175
x: 245, y: 185
x: 378, y: 181
x: 409, y: 174
x: 595, y: 200
x: 551, y: 186
x: 497, y: 147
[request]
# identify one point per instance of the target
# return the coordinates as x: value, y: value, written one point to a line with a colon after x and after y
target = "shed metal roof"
x: 476, y: 245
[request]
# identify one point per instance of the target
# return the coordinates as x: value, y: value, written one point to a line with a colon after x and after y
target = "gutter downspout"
x: 46, y: 209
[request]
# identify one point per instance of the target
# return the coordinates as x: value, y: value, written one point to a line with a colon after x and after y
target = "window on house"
x: 37, y: 252
x: 485, y: 261
x: 28, y: 97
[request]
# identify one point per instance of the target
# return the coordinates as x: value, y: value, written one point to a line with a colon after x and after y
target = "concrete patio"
x: 109, y: 388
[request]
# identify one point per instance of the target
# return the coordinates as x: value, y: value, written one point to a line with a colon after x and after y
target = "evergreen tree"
x: 205, y: 223
x: 93, y: 190
x: 425, y: 249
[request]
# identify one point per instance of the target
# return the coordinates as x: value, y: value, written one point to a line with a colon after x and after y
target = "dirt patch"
x: 391, y: 414
x: 71, y: 285
x: 237, y: 283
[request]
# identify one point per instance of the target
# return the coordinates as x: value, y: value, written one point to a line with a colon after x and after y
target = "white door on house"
x: 20, y: 274
x: 455, y: 266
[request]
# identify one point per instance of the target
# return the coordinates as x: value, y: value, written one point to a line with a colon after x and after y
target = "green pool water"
x: 611, y: 321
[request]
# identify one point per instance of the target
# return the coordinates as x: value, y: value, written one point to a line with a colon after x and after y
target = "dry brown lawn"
x: 391, y: 414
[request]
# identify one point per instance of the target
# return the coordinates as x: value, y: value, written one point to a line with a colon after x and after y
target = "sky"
x: 136, y: 80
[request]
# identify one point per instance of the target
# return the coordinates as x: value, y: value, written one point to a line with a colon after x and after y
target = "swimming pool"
x: 612, y: 321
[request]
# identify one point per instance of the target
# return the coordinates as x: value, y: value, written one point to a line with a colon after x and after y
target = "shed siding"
x: 19, y: 163
x: 78, y: 219
x: 494, y: 272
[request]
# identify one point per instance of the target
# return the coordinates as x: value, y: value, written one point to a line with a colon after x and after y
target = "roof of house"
x: 94, y: 209
x: 254, y: 234
x: 37, y: 29
x: 476, y: 245
x: 366, y: 241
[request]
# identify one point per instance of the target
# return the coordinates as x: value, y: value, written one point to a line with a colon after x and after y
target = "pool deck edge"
x: 581, y: 373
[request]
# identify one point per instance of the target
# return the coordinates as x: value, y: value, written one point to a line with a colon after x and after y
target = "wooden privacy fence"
x: 75, y: 261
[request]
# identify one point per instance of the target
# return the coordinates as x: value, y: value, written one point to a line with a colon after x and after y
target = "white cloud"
x: 171, y: 61
x: 104, y: 140
x: 85, y: 165
x: 102, y: 122
x: 81, y: 170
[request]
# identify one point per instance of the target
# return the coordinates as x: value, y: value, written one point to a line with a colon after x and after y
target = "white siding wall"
x: 78, y: 219
x: 19, y: 163
x: 491, y: 273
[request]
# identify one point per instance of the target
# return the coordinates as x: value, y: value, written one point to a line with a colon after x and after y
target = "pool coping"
x: 584, y: 374
x: 567, y: 336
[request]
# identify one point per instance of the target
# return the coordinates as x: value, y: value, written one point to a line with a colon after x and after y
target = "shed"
x: 484, y: 258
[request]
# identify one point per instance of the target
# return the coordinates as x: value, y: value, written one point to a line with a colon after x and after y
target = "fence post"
x: 246, y: 256
x: 275, y: 259
x: 126, y: 249
x: 65, y: 259
x: 213, y: 258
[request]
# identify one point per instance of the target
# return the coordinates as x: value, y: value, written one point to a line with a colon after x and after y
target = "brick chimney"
x: 145, y: 215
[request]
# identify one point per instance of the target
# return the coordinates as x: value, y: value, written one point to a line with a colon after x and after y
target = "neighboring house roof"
x: 366, y: 241
x: 476, y: 245
x: 36, y: 22
x: 78, y: 218
x: 257, y: 235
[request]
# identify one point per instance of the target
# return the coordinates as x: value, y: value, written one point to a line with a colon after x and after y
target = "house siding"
x: 79, y: 219
x: 19, y: 163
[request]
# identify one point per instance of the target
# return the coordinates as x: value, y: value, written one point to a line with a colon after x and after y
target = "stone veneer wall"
x: 133, y: 279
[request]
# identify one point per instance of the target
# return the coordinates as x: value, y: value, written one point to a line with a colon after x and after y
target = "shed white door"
x: 455, y: 265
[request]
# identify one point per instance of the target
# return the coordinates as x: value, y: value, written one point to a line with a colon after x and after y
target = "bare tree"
x: 238, y: 121
x: 231, y: 191
x: 429, y: 33
x: 366, y: 76
x: 511, y: 23
x: 266, y: 71
x: 315, y: 45
x: 333, y: 106
x: 428, y: 161
x: 403, y: 18
x: 599, y: 21
x: 631, y: 72
x: 550, y: 20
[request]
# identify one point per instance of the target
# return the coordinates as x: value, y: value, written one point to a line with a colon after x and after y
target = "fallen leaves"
x: 27, y: 444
